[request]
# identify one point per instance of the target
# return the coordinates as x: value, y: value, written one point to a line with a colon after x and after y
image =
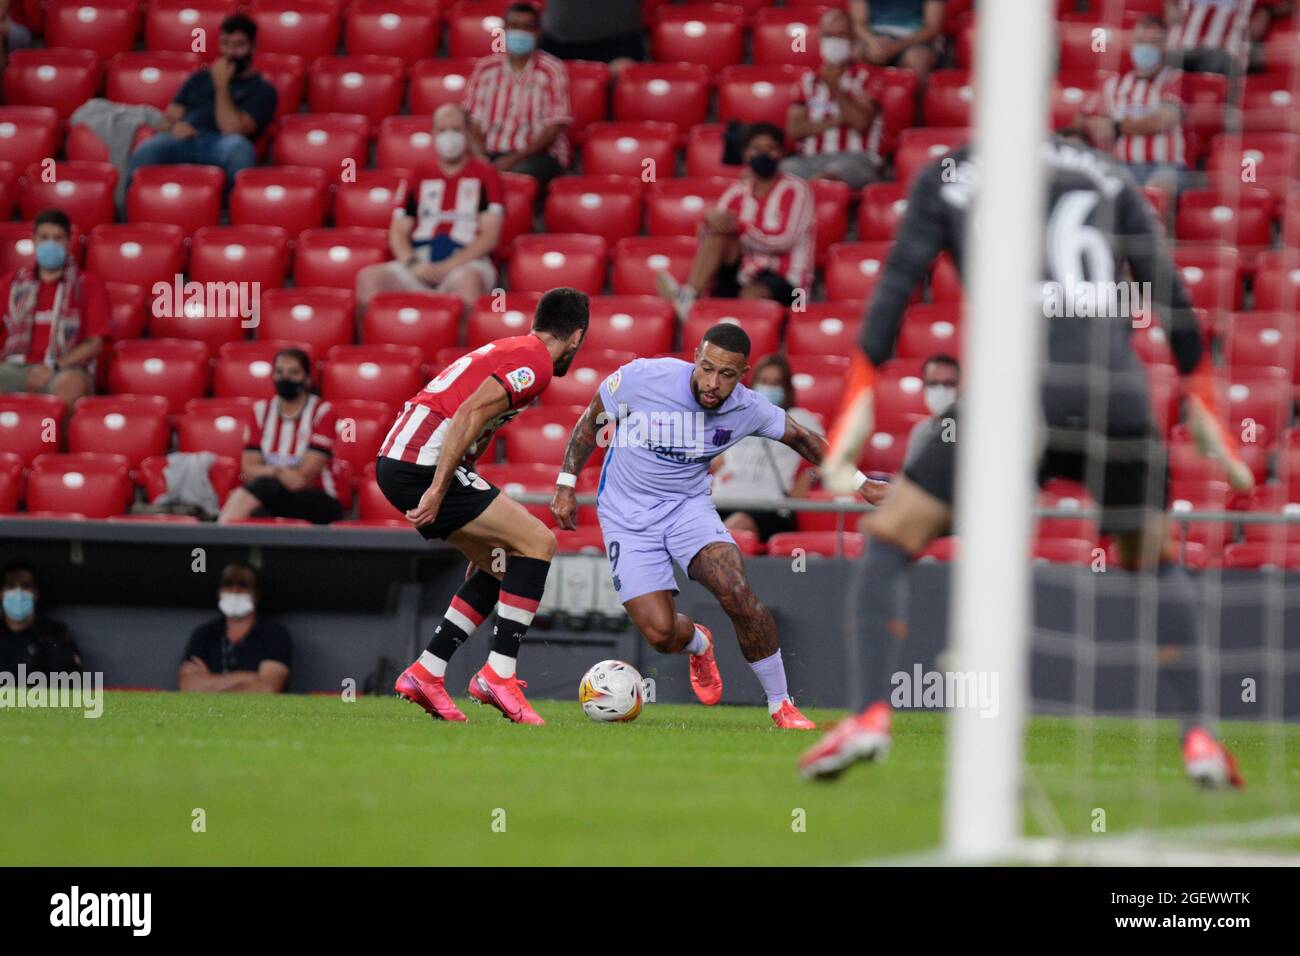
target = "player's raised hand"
x: 564, y: 506
x: 427, y: 509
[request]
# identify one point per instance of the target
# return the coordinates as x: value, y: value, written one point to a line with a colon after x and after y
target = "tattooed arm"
x: 813, y: 448
x: 582, y: 442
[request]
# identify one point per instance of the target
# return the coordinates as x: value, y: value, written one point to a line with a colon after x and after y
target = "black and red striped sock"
x: 471, y: 604
x: 521, y: 592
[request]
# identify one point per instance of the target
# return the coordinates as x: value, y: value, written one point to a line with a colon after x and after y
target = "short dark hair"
x: 755, y: 130
x: 521, y: 7
x: 240, y: 565
x: 298, y: 355
x: 55, y: 217
x: 941, y: 358
x: 729, y: 337
x: 240, y: 23
x: 561, y: 312
x: 18, y: 564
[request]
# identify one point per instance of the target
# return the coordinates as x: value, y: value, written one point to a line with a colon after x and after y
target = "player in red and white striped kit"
x: 425, y: 469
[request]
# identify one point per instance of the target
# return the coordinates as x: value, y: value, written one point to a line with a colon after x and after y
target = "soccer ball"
x: 611, y: 692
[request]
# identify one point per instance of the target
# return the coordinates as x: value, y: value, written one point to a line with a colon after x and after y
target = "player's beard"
x: 695, y: 390
x: 564, y: 361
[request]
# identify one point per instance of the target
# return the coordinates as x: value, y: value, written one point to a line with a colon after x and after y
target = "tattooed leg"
x: 719, y: 568
x: 656, y: 616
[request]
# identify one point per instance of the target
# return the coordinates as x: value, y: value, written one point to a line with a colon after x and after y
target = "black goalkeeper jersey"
x: 1096, y: 223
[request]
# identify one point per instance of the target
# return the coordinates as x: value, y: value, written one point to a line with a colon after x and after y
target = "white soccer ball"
x: 611, y: 692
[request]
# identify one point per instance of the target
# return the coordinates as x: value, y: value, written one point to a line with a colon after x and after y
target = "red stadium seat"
x: 710, y: 34
x: 492, y: 318
x: 640, y: 323
x: 371, y: 86
x: 918, y: 148
x: 582, y: 540
x: 929, y: 329
x: 327, y: 141
x: 819, y: 382
x: 521, y: 195
x: 134, y: 426
x: 704, y: 153
x: 243, y: 369
x: 138, y: 254
x: 472, y: 26
x: 542, y: 262
x: 605, y: 206
x: 333, y: 257
x: 361, y: 427
x: 676, y: 207
x: 539, y: 438
x: 831, y: 201
x: 1059, y: 494
x: 404, y: 141
x: 675, y: 93
x: 824, y: 544
x: 30, y: 425
x: 945, y: 283
x: 1072, y: 92
x: 84, y: 145
x: 758, y: 94
x: 1277, y: 281
x: 787, y: 35
x: 1261, y: 340
x: 1258, y: 396
x: 218, y: 425
x: 1200, y: 496
x: 82, y: 190
x: 185, y: 196
x: 1271, y: 103
x: 1186, y: 463
x: 1204, y: 99
x: 760, y: 318
x: 1093, y: 46
x: 171, y: 24
x: 1271, y: 160
x: 372, y: 505
x: 1258, y: 555
x: 1275, y: 500
x: 637, y: 259
x: 307, y: 30
x: 223, y: 473
x: 1151, y: 344
x: 28, y: 134
x: 824, y: 328
x: 379, y: 373
x: 949, y: 98
x: 203, y: 314
x: 1242, y: 217
x: 884, y: 452
x: 16, y: 245
x: 176, y: 369
x: 515, y: 480
x: 59, y: 79
x: 900, y: 396
x: 854, y: 268
x: 292, y: 197
x: 1213, y: 286
x: 126, y: 311
x: 322, y: 318
x: 589, y: 369
x: 93, y: 485
x: 384, y: 28
x: 643, y: 150
x: 882, y: 206
x: 427, y: 320
x: 288, y: 74
x: 898, y: 104
x: 11, y: 482
x: 240, y: 253
x: 148, y: 78
x: 1291, y: 222
x: 588, y: 96
x: 370, y: 200
x: 437, y: 81
x: 107, y: 27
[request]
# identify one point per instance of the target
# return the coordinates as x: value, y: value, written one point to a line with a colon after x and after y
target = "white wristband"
x: 566, y: 479
x: 859, y: 479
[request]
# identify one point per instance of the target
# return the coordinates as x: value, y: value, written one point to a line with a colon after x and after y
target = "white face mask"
x: 450, y: 144
x: 235, y: 603
x: 835, y: 49
x: 939, y: 397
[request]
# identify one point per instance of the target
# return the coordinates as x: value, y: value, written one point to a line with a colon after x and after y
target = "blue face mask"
x: 773, y: 393
x: 1146, y: 57
x: 50, y: 254
x: 19, y: 604
x: 520, y: 42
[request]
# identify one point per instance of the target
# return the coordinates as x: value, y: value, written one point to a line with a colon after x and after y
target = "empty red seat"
x: 900, y: 396
x: 929, y: 329
x: 243, y: 369
x: 333, y: 257
x: 427, y: 320
x: 240, y: 253
x: 540, y: 438
x: 760, y: 318
x: 1257, y: 555
x: 219, y: 425
x: 16, y: 245
x: 107, y: 27
x: 854, y: 268
x: 11, y: 482
x: 788, y: 35
x: 1062, y: 495
x: 171, y: 25
x: 589, y: 369
x: 1242, y: 217
x: 521, y: 195
x: 438, y: 81
x: 188, y: 196
x: 308, y: 30
x: 898, y: 106
x: 637, y: 259
x: 472, y: 26
x: 520, y: 479
x: 322, y: 318
x: 710, y: 34
x: 949, y: 98
x: 59, y: 79
x: 361, y: 427
x: 380, y: 373
x: 30, y: 425
x: 134, y: 426
x: 82, y: 190
x: 493, y: 318
x: 1089, y: 45
x: 542, y: 262
x: 675, y: 93
x: 1277, y: 281
x: 126, y: 310
x: 831, y: 201
x: 819, y: 383
x: 605, y: 206
x: 151, y: 78
x: 1261, y: 339
x: 1257, y: 397
x: 824, y: 544
x: 1074, y: 91
x: 404, y: 142
x: 373, y: 505
x: 704, y: 152
x: 137, y: 254
x: 882, y: 206
x: 329, y: 141
x: 1198, y: 495
x: 176, y: 369
x: 1213, y: 284
x: 758, y: 94
x: 1269, y: 103
x: 204, y: 314
x: 371, y: 86
x: 371, y: 199
x: 676, y: 207
x: 918, y: 148
x: 288, y: 74
x: 642, y: 150
x: 588, y: 96
x: 28, y: 134
x: 642, y: 324
x: 383, y: 28
x: 293, y: 197
x: 94, y: 485
x: 824, y: 328
x: 1268, y: 160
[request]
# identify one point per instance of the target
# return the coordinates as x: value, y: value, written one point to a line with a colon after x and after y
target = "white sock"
x: 771, y: 674
x: 434, y: 665
x: 698, y: 644
x: 502, y: 665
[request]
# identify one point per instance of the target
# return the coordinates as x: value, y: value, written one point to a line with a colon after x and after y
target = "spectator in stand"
x: 56, y: 318
x: 15, y: 27
x: 218, y: 112
x: 1140, y: 114
x: 27, y: 637
x: 453, y: 220
x: 837, y: 121
x: 903, y: 33
x: 287, y: 465
x: 759, y: 241
x: 758, y: 468
x: 238, y: 651
x: 607, y: 32
x: 940, y: 380
x: 518, y: 102
x: 1213, y: 36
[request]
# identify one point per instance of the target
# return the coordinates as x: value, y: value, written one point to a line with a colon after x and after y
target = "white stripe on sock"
x: 511, y: 613
x: 433, y: 664
x: 460, y: 620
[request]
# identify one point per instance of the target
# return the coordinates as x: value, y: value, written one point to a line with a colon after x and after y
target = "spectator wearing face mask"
x: 759, y: 241
x: 837, y: 122
x: 940, y: 379
x: 27, y: 637
x: 452, y: 223
x: 286, y: 467
x: 240, y: 650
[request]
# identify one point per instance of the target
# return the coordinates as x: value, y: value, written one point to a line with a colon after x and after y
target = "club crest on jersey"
x: 614, y: 381
x: 521, y: 378
x: 721, y: 436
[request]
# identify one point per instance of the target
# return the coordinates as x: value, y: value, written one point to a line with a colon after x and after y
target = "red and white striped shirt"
x: 862, y: 84
x: 284, y: 440
x: 513, y: 108
x: 778, y: 232
x: 1132, y: 97
x: 1212, y: 25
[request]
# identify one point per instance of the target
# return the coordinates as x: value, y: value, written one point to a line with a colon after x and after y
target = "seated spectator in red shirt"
x: 56, y: 318
x: 286, y: 464
x: 519, y: 102
x: 902, y: 33
x: 239, y: 651
x: 453, y: 222
x: 759, y: 241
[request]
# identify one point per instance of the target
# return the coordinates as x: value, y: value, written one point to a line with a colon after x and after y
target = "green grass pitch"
x: 316, y: 780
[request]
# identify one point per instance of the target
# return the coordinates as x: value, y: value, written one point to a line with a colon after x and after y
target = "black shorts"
x: 310, y: 504
x: 403, y: 484
x: 726, y: 284
x: 1129, y: 485
x: 768, y: 522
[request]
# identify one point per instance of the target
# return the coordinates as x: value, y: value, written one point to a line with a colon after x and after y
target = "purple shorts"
x: 641, y: 559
